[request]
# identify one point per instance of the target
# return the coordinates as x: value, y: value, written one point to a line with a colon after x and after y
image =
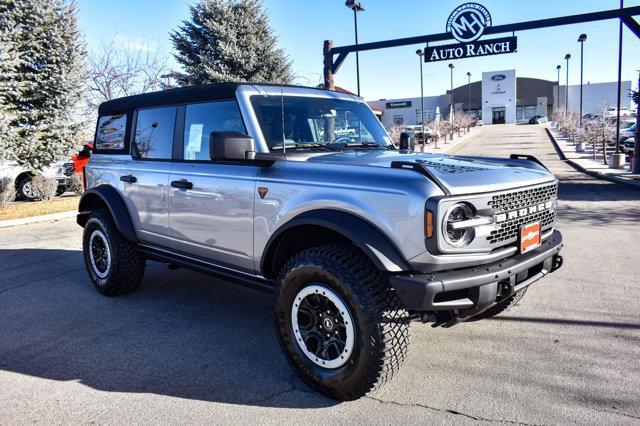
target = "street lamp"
x: 581, y: 40
x: 356, y: 6
x: 451, y: 67
x: 468, y: 91
x: 558, y: 69
x: 566, y: 98
x: 419, y: 53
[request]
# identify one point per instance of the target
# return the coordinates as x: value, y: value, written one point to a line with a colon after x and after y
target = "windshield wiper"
x: 306, y: 146
x: 366, y: 144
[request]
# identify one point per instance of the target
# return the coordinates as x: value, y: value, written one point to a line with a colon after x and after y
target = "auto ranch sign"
x: 466, y: 24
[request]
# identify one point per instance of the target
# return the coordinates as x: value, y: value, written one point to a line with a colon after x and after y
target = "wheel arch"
x: 22, y: 175
x: 326, y: 226
x: 105, y: 196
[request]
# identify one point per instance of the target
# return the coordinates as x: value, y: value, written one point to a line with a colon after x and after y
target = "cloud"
x: 132, y: 42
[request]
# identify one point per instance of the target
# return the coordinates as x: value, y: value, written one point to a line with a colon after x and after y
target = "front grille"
x: 512, y: 201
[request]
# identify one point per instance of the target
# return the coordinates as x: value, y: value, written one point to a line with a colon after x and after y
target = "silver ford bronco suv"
x: 300, y: 192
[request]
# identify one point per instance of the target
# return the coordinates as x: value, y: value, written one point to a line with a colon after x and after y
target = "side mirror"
x: 231, y: 146
x: 85, y: 152
x: 407, y: 141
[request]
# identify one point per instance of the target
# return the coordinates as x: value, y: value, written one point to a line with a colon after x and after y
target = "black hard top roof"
x: 180, y: 95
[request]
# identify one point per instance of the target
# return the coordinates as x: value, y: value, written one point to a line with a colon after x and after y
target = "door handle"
x: 128, y: 178
x: 182, y: 184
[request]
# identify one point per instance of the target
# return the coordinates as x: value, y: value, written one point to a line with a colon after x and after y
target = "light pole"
x: 468, y: 91
x: 566, y: 97
x: 451, y: 67
x: 356, y: 6
x: 618, y: 158
x: 581, y: 40
x: 419, y: 53
x: 558, y: 68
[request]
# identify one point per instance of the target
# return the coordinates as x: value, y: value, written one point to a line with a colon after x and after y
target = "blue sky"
x: 390, y: 73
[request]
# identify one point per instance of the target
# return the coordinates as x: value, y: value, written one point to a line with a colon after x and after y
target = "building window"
x: 519, y: 112
x: 154, y: 133
x: 529, y: 111
x: 398, y: 119
x: 429, y: 115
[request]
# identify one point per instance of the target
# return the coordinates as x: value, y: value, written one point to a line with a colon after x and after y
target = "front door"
x: 498, y: 115
x: 211, y: 203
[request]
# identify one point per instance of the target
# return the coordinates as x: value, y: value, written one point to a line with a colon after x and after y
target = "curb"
x: 591, y: 173
x: 37, y: 219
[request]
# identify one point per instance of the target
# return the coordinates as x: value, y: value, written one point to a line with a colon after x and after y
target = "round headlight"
x: 455, y: 236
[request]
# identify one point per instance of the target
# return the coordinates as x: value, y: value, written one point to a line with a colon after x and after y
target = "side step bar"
x: 252, y: 281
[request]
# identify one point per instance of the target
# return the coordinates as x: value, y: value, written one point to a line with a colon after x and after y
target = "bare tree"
x: 118, y: 70
x: 599, y: 131
x: 567, y: 122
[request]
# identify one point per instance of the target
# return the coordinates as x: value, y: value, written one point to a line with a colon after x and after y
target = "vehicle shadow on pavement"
x: 585, y: 323
x: 182, y: 334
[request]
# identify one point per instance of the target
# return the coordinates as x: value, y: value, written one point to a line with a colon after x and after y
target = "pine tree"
x: 41, y: 83
x: 229, y: 40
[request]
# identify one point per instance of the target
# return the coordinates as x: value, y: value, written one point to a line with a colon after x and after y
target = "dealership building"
x: 502, y: 97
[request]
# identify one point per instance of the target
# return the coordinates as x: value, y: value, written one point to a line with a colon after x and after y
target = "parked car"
x: 627, y: 133
x: 356, y: 239
x: 538, y: 119
x: 628, y: 145
x: 429, y: 134
x: 23, y: 177
x: 612, y: 112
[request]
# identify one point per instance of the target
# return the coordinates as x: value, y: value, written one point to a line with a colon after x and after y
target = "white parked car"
x: 23, y: 177
x: 612, y: 112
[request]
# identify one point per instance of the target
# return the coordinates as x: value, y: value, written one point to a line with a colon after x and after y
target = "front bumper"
x: 478, y: 287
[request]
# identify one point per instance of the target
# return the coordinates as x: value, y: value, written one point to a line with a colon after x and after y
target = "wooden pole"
x: 328, y: 63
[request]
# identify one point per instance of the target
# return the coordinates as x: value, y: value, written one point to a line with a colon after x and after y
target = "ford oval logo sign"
x: 498, y: 77
x: 467, y: 22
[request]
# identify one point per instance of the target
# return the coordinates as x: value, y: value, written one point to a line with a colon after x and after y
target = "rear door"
x: 211, y: 203
x: 146, y: 181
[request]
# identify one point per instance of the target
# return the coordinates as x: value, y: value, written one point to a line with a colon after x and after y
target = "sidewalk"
x: 446, y: 145
x: 583, y: 161
x: 36, y: 219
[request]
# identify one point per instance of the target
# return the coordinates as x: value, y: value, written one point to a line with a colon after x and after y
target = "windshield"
x: 318, y: 123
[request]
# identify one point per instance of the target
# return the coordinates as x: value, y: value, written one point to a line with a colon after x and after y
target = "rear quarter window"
x: 110, y: 133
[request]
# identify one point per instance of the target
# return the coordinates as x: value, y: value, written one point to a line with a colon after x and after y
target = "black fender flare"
x: 378, y: 248
x: 110, y: 197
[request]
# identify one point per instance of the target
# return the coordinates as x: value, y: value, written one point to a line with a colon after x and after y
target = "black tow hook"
x: 556, y: 263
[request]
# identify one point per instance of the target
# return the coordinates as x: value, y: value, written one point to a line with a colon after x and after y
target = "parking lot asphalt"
x: 186, y: 348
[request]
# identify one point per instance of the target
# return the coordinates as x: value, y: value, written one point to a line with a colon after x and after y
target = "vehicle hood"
x: 458, y: 174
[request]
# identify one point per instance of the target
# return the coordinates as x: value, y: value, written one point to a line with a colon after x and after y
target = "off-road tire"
x: 381, y: 323
x: 502, y: 306
x: 127, y: 264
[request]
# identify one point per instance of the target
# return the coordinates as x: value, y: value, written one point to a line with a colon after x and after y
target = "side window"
x: 110, y: 134
x: 202, y: 119
x: 154, y: 133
